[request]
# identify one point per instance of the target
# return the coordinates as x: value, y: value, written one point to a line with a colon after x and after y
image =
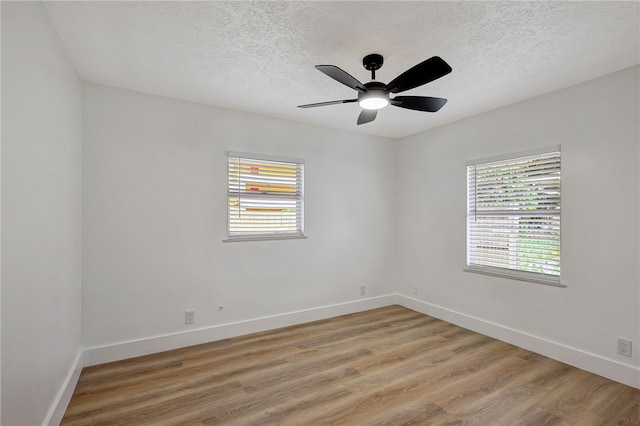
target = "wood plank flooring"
x: 389, y: 366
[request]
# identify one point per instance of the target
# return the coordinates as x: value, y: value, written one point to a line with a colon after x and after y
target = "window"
x: 265, y: 197
x: 513, y: 216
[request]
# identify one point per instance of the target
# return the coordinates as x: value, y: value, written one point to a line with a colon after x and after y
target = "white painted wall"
x: 154, y: 201
x: 597, y: 125
x: 41, y: 214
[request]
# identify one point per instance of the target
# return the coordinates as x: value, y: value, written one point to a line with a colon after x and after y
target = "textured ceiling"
x: 260, y: 56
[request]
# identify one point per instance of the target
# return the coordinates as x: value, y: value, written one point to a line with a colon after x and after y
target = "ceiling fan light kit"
x: 374, y: 95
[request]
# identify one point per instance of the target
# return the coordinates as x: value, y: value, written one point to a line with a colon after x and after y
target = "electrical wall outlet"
x: 363, y: 290
x: 624, y: 347
x: 415, y: 289
x: 189, y: 317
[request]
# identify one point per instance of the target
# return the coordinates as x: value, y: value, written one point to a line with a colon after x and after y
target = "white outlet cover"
x: 624, y: 347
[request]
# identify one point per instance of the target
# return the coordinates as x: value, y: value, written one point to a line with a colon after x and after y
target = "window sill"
x: 265, y: 238
x: 515, y: 275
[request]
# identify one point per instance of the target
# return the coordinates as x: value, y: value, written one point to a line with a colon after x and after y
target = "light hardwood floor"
x: 388, y: 366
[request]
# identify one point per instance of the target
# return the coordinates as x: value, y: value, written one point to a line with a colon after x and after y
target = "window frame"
x: 298, y: 198
x: 517, y: 274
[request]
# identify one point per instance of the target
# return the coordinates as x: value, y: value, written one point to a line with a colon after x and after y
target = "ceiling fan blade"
x: 342, y: 76
x: 367, y: 115
x: 419, y: 103
x: 345, y: 101
x: 423, y: 73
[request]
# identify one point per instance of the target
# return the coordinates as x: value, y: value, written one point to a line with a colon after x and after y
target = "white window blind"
x: 265, y: 197
x: 513, y: 216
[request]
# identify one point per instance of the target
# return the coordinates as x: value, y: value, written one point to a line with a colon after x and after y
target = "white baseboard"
x: 60, y: 403
x: 609, y: 368
x: 130, y: 349
x: 612, y: 369
x: 623, y: 373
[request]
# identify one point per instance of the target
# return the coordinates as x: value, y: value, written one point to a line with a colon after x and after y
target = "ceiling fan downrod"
x: 372, y: 63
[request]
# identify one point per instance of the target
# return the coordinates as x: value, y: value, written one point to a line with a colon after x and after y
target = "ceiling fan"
x: 374, y: 95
